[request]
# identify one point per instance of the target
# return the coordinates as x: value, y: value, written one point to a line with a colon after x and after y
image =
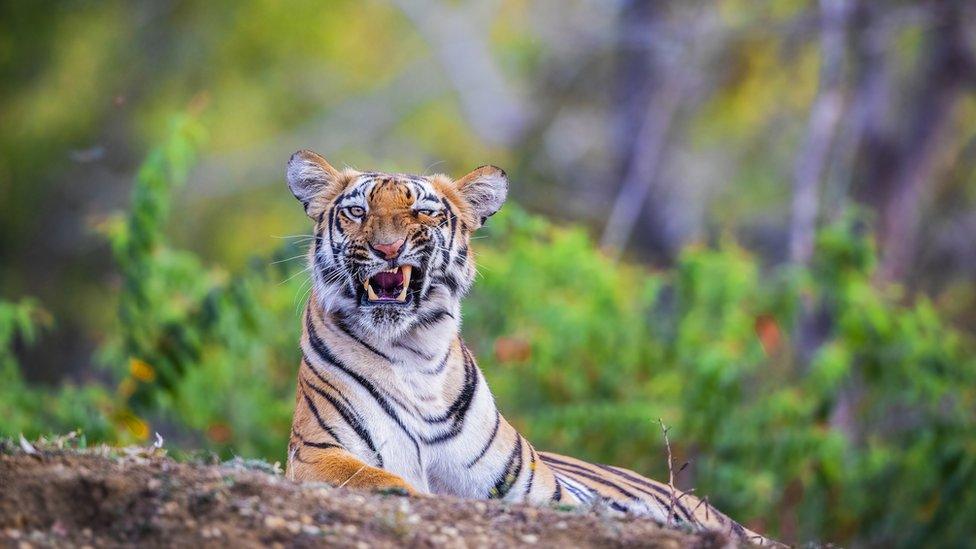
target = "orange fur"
x: 338, y: 467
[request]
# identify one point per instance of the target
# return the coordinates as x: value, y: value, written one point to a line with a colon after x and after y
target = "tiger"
x: 388, y: 395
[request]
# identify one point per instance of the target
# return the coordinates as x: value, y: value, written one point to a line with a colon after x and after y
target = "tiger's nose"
x: 389, y: 251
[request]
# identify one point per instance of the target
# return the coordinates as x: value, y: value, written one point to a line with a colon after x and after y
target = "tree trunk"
x: 821, y: 128
x: 950, y: 65
x: 648, y: 96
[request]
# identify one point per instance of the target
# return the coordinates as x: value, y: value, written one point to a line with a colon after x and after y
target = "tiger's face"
x: 392, y: 250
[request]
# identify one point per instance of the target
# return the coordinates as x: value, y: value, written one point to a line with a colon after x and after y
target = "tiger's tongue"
x: 387, y: 284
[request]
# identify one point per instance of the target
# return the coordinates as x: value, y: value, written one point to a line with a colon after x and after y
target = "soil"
x: 110, y: 497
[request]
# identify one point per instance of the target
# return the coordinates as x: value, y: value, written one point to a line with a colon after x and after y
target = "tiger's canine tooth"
x: 370, y: 293
x: 407, y: 270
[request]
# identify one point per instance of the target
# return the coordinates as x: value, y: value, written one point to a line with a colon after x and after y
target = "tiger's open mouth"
x: 391, y: 286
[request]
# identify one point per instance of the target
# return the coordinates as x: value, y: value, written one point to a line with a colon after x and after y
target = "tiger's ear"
x: 313, y: 181
x: 485, y: 190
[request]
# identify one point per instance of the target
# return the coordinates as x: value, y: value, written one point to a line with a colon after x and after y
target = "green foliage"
x: 29, y: 410
x: 885, y: 405
x: 195, y: 347
x: 584, y: 354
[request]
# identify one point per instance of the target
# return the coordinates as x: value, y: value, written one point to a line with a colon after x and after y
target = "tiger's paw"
x: 394, y: 485
x: 378, y: 480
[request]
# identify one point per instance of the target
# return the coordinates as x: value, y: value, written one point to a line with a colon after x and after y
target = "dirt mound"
x: 112, y: 497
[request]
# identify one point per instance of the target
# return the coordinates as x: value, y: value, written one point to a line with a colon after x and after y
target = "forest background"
x: 754, y: 221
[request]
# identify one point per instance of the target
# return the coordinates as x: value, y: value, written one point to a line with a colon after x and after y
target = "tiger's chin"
x: 387, y: 323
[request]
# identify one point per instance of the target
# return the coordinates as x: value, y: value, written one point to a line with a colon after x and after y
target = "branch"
x: 459, y: 39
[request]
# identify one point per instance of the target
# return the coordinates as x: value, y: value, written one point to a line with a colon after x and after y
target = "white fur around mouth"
x: 391, y: 285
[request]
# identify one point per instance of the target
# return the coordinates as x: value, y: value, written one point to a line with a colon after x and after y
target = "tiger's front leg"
x: 339, y: 467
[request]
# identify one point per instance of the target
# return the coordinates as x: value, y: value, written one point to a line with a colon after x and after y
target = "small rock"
x: 272, y: 521
x: 530, y: 539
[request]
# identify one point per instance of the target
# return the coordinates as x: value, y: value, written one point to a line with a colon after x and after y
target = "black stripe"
x: 557, y: 494
x: 637, y: 483
x: 509, y: 475
x: 440, y: 367
x: 452, y: 224
x: 528, y: 485
x: 345, y: 329
x: 427, y: 320
x: 613, y: 503
x: 349, y: 417
x: 318, y: 247
x: 459, y: 408
x: 318, y: 417
x: 325, y: 381
x: 448, y: 280
x: 332, y: 224
x: 635, y: 480
x: 319, y: 445
x: 491, y: 439
x: 323, y: 352
x: 576, y: 492
x: 422, y: 355
x: 572, y: 468
x: 322, y: 445
x: 616, y: 505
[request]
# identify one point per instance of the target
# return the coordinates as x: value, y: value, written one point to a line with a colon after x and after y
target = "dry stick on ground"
x: 700, y: 502
x: 674, y: 498
x: 345, y: 482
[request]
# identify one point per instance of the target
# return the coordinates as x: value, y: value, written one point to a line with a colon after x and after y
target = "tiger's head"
x: 391, y: 251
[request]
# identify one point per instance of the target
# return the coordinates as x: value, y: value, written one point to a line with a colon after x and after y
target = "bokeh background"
x: 752, y: 220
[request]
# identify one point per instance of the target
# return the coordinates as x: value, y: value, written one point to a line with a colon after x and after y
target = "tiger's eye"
x: 355, y: 211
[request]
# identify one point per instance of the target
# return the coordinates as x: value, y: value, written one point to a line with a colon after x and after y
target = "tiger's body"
x: 388, y: 394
